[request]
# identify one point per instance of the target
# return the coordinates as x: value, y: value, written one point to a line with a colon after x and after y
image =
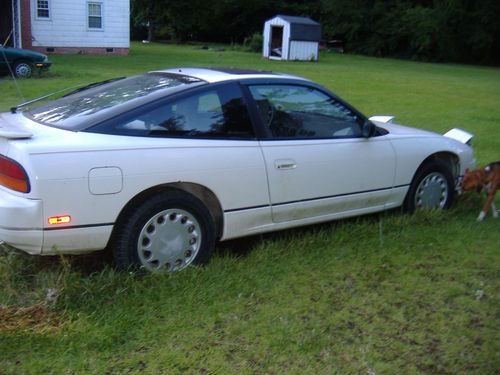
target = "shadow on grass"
x: 243, y: 247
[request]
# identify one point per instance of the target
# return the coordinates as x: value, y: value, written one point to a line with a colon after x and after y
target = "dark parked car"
x: 22, y: 62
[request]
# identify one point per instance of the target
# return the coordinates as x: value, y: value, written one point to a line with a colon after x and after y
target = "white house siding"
x: 68, y: 25
x: 303, y: 50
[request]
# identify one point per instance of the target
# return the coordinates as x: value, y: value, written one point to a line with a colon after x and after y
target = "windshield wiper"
x: 79, y: 89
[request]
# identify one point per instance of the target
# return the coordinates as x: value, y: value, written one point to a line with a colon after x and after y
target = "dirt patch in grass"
x: 36, y: 317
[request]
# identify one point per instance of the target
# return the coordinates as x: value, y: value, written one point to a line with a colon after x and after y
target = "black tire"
x: 23, y: 69
x: 168, y: 231
x: 432, y: 187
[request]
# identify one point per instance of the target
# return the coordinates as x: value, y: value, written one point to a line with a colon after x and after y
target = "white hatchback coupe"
x: 159, y: 166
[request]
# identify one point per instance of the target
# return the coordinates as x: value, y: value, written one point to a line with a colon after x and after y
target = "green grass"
x: 383, y: 294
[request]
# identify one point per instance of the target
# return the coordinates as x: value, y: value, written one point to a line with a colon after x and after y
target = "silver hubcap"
x: 432, y: 192
x: 23, y: 70
x: 169, y: 240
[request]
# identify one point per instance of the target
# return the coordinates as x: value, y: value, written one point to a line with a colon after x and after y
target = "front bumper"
x: 42, y: 66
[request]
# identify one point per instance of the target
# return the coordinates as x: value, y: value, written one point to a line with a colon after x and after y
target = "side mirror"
x: 368, y: 129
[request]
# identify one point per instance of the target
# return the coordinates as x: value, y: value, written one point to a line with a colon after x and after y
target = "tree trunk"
x: 151, y: 31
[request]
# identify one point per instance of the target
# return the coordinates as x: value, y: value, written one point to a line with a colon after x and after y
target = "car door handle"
x: 285, y: 164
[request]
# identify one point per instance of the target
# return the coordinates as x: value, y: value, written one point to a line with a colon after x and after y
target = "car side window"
x: 216, y: 113
x: 291, y: 111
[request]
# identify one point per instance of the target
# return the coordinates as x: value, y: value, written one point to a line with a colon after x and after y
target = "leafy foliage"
x: 254, y: 43
x: 439, y: 30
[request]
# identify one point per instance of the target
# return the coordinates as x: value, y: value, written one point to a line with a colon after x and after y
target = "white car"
x: 157, y: 167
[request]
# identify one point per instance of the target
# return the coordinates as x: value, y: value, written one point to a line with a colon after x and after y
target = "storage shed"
x: 291, y: 38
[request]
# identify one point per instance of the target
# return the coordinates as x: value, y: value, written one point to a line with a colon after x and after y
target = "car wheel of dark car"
x: 23, y: 69
x: 431, y: 188
x: 168, y: 232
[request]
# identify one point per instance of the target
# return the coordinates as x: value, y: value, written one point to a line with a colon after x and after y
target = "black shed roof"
x: 299, y: 20
x: 302, y: 28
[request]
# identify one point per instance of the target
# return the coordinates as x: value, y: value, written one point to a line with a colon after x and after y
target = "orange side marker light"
x: 64, y: 219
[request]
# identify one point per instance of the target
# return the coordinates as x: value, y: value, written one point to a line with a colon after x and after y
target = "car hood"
x: 458, y: 135
x: 11, y: 51
x: 386, y: 122
x: 401, y: 130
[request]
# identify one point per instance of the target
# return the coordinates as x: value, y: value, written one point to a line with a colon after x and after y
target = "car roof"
x: 213, y: 75
x: 195, y: 76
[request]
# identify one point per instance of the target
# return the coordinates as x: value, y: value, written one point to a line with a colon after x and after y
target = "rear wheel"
x: 167, y: 232
x: 431, y: 188
x: 23, y: 69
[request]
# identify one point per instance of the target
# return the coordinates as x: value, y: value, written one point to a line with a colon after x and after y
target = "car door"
x: 318, y: 163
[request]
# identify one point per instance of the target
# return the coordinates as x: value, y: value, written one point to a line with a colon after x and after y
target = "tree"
x: 437, y: 30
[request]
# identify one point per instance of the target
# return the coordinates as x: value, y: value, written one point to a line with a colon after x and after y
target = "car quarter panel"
x: 233, y: 170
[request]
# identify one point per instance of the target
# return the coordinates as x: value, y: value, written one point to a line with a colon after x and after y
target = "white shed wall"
x: 276, y: 21
x: 303, y: 50
x: 266, y: 39
x: 291, y: 50
x: 67, y: 25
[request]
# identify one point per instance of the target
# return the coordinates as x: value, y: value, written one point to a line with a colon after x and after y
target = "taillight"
x: 13, y: 176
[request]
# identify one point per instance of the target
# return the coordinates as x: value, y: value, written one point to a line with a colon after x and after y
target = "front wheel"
x: 23, y: 69
x: 431, y: 188
x: 168, y: 232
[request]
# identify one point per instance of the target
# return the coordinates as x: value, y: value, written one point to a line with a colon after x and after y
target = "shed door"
x: 276, y: 47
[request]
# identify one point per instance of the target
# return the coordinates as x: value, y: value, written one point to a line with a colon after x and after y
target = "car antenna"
x: 24, y: 104
x: 8, y: 66
x: 7, y: 39
x: 79, y: 87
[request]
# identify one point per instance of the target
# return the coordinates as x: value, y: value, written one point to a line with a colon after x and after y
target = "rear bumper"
x: 21, y: 222
x: 21, y: 226
x: 71, y: 240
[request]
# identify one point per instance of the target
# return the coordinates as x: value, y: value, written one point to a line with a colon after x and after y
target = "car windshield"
x: 85, y: 106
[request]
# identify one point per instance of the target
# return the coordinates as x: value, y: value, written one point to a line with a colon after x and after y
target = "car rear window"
x: 76, y: 110
x: 218, y: 111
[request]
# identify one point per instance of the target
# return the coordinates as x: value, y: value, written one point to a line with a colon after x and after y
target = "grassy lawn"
x: 382, y: 294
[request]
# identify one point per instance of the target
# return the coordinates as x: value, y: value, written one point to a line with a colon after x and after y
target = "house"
x: 291, y: 38
x: 67, y: 26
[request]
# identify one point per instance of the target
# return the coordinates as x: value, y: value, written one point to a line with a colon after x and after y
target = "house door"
x: 276, y: 47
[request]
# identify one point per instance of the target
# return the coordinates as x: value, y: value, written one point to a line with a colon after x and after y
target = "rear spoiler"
x: 13, y: 133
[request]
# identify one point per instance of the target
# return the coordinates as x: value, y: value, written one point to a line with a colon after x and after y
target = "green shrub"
x: 254, y: 42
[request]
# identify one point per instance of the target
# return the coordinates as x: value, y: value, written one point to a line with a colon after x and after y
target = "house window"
x: 94, y: 15
x: 42, y: 9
